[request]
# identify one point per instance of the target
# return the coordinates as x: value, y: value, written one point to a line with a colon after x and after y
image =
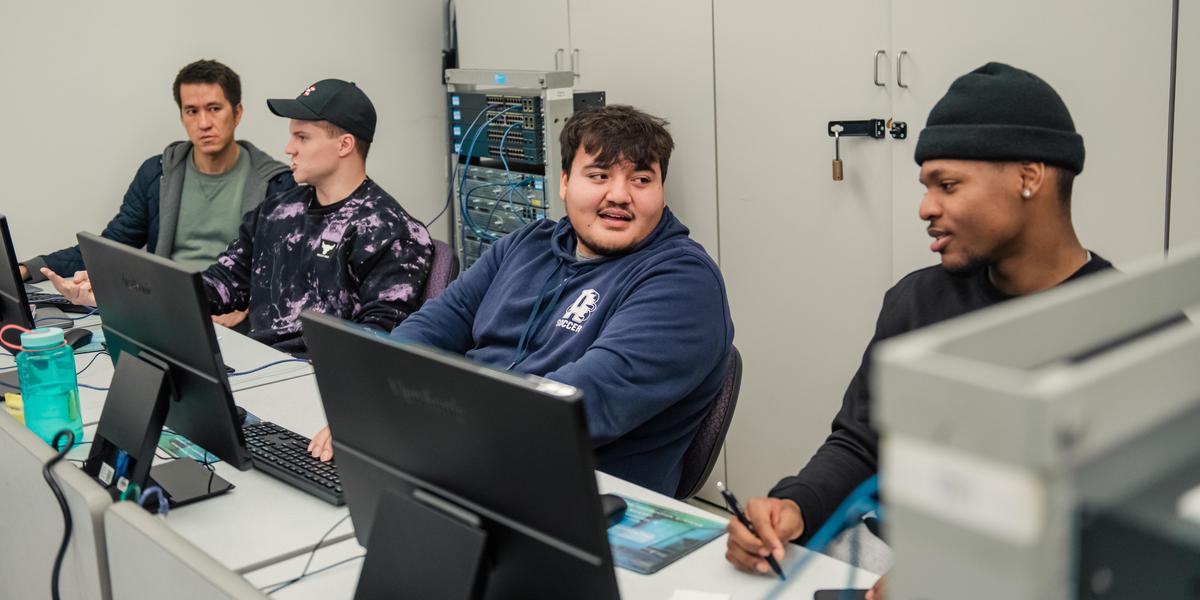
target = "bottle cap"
x: 42, y: 338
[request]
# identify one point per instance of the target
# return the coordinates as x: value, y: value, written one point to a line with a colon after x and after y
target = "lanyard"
x: 538, y: 312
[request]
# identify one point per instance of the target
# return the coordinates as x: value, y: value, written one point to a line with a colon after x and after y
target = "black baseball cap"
x: 339, y: 102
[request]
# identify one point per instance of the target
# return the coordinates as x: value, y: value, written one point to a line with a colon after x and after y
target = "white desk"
x: 264, y: 520
x: 703, y: 570
x: 337, y: 583
x: 237, y: 350
x: 265, y: 528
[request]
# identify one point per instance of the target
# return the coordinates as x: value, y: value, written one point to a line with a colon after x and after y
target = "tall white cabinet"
x: 805, y: 258
x: 749, y: 87
x: 1110, y: 61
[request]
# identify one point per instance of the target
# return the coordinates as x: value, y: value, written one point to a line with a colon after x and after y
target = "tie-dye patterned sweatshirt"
x: 362, y: 258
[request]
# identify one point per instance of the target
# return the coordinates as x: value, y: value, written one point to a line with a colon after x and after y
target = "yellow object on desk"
x: 14, y: 407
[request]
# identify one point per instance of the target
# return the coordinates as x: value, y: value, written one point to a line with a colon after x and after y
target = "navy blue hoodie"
x: 644, y: 335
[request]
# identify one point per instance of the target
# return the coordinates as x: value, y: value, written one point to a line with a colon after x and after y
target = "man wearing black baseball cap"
x: 998, y: 157
x: 337, y: 244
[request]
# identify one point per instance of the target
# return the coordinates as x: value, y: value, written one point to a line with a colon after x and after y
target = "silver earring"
x: 1025, y: 193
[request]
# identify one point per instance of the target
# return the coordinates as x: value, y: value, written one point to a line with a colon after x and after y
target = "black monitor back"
x: 14, y: 304
x: 152, y: 305
x: 513, y: 450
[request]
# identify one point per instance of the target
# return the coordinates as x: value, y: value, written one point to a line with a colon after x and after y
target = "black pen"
x: 731, y: 500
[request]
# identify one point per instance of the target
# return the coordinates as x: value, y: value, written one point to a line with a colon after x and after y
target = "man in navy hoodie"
x: 615, y: 299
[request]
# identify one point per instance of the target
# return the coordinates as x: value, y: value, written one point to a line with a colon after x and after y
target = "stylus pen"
x: 731, y: 500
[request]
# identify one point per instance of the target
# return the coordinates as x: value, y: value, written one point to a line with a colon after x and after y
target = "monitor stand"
x: 132, y: 420
x: 422, y: 547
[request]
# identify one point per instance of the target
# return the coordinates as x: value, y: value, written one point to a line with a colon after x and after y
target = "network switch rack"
x: 505, y: 141
x: 494, y: 203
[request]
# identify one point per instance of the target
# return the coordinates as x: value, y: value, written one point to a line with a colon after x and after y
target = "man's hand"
x: 777, y: 521
x: 24, y: 272
x: 321, y: 445
x: 78, y: 289
x: 876, y: 591
x: 230, y: 319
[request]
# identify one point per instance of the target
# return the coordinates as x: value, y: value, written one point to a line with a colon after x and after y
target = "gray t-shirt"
x: 210, y: 212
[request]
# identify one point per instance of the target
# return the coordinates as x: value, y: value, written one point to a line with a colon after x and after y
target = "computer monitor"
x: 14, y: 304
x: 168, y: 370
x: 462, y: 480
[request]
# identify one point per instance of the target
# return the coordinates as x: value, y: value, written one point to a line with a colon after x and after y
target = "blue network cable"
x: 504, y: 138
x: 504, y: 160
x: 510, y: 187
x: 463, y: 206
x: 270, y: 364
x: 457, y: 155
x: 471, y: 148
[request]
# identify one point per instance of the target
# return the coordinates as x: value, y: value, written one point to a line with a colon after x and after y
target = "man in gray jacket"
x: 187, y: 203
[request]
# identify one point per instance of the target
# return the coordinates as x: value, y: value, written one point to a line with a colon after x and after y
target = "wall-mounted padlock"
x: 873, y: 128
x: 837, y: 152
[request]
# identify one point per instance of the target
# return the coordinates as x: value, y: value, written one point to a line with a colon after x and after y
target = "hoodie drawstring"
x: 539, y: 311
x: 523, y: 344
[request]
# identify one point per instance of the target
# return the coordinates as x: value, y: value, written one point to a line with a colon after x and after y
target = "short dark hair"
x: 360, y: 145
x: 617, y: 132
x: 1064, y: 179
x: 210, y: 71
x: 1065, y: 182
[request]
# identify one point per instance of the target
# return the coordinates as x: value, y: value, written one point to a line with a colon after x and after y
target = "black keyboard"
x: 284, y: 455
x: 58, y: 302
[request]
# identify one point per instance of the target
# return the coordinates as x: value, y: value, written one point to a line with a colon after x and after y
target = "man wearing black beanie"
x: 998, y: 157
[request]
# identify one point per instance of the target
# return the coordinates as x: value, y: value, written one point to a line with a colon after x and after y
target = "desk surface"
x: 703, y: 570
x: 238, y: 351
x: 265, y: 528
x: 264, y: 520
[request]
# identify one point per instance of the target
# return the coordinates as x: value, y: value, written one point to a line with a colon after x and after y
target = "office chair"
x: 442, y: 272
x: 701, y: 455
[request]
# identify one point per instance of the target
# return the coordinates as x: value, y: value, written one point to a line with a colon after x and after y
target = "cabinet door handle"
x: 557, y: 58
x: 900, y: 69
x: 575, y: 61
x: 879, y: 53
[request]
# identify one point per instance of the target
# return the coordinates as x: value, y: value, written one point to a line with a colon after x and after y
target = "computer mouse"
x: 613, y: 507
x: 78, y: 338
x: 241, y: 415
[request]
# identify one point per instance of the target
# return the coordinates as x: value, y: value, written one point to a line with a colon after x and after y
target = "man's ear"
x: 562, y: 185
x: 1033, y: 178
x: 346, y: 145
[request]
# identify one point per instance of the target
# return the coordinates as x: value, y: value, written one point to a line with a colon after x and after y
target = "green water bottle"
x: 49, y: 391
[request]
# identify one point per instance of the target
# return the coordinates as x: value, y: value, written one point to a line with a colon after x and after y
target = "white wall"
x: 86, y: 94
x: 1185, y: 190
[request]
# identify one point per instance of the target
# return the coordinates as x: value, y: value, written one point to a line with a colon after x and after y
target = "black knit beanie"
x: 1001, y: 113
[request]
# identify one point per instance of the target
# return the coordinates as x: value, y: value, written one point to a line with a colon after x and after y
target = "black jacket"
x: 850, y: 454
